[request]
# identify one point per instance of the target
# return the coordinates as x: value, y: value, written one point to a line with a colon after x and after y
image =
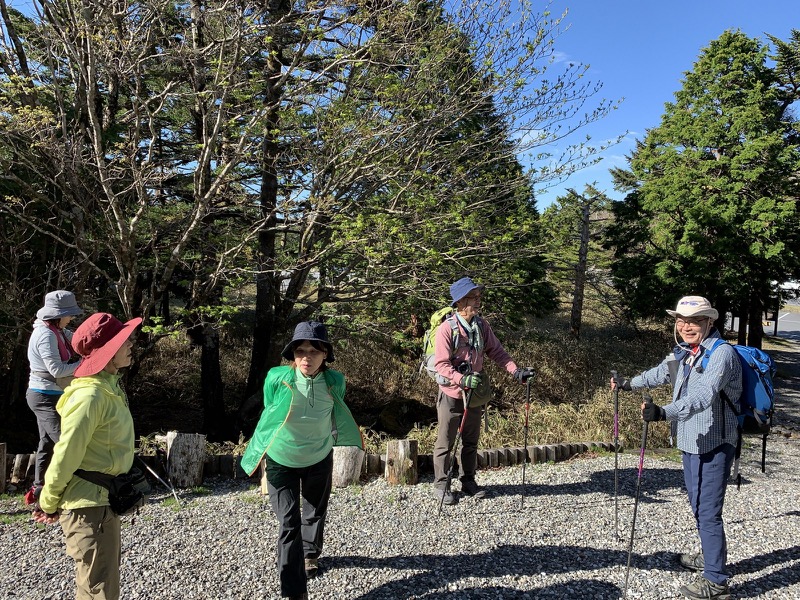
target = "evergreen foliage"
x: 713, y: 207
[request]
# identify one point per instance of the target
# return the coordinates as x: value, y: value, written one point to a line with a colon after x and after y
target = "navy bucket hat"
x: 311, y: 331
x: 461, y: 288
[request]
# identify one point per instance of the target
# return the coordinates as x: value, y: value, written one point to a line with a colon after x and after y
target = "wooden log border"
x: 502, y: 457
x: 226, y: 465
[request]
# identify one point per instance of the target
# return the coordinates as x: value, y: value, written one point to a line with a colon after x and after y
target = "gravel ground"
x: 387, y: 542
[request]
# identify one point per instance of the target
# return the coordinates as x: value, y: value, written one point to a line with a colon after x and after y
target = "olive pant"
x: 92, y: 536
x: 449, y: 411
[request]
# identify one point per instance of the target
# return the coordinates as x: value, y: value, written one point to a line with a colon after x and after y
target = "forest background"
x: 228, y: 169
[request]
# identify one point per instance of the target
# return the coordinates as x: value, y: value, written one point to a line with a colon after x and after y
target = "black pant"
x: 299, y: 537
x: 49, y: 423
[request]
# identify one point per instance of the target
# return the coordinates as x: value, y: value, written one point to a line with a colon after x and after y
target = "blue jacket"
x: 279, y: 387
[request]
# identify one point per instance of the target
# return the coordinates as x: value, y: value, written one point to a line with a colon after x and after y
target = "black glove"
x: 653, y: 412
x: 470, y: 382
x: 621, y: 384
x: 522, y: 375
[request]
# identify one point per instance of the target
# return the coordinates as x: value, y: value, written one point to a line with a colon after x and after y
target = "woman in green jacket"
x: 304, y: 417
x: 96, y: 435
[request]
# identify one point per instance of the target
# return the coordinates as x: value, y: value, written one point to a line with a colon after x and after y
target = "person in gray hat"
x: 304, y: 417
x: 52, y: 365
x: 705, y: 427
x: 462, y: 341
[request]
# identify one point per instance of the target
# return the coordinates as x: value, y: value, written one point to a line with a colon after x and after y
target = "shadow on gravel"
x: 762, y: 561
x: 755, y: 588
x: 437, y: 571
x: 434, y: 572
x: 653, y: 482
x: 579, y: 588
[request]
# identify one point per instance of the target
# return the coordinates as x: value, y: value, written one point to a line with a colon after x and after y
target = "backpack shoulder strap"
x: 482, y: 325
x: 704, y: 362
x: 452, y: 321
x: 707, y: 354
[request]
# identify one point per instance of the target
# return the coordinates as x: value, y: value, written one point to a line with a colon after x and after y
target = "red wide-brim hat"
x: 98, y: 339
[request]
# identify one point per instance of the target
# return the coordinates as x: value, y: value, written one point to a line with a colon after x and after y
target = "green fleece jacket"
x: 96, y: 435
x: 279, y: 387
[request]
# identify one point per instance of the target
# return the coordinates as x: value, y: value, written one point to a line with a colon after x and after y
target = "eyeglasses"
x: 473, y: 296
x: 681, y: 321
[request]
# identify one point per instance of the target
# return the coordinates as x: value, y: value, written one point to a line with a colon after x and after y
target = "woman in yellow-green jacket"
x: 304, y: 417
x: 96, y: 435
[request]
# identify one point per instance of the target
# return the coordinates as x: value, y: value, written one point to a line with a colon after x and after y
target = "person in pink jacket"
x: 462, y: 342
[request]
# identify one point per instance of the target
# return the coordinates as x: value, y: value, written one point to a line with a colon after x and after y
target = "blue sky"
x: 640, y: 50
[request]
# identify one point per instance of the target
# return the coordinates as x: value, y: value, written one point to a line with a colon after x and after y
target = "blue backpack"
x: 757, y: 402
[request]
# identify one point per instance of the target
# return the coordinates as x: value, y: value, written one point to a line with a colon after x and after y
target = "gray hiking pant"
x: 450, y: 411
x: 49, y: 423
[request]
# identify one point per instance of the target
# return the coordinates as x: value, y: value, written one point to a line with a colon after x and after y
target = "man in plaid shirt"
x: 705, y: 427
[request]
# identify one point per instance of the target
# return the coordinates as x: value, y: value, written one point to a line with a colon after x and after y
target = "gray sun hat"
x: 309, y: 331
x: 59, y: 304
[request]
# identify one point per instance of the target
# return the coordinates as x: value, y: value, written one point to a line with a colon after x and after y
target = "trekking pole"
x: 451, y: 453
x: 160, y: 480
x: 616, y: 453
x: 525, y: 437
x: 162, y: 455
x: 647, y: 398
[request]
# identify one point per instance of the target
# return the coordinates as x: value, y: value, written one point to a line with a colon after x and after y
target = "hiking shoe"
x: 300, y: 597
x: 703, y: 589
x: 311, y: 568
x: 449, y: 497
x: 470, y: 488
x: 692, y: 561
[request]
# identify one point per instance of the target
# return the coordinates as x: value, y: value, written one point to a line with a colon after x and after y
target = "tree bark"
x: 348, y: 462
x: 267, y: 280
x: 741, y: 337
x: 212, y: 386
x: 401, y: 462
x: 755, y: 330
x: 580, y: 273
x: 3, y: 468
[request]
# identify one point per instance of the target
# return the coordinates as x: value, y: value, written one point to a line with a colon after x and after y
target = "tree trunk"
x: 3, y: 468
x: 723, y: 306
x: 16, y: 383
x: 401, y: 462
x: 580, y: 274
x: 348, y: 462
x: 755, y: 330
x: 267, y: 292
x: 186, y: 455
x: 164, y: 307
x: 211, y: 386
x: 263, y: 324
x: 741, y: 338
